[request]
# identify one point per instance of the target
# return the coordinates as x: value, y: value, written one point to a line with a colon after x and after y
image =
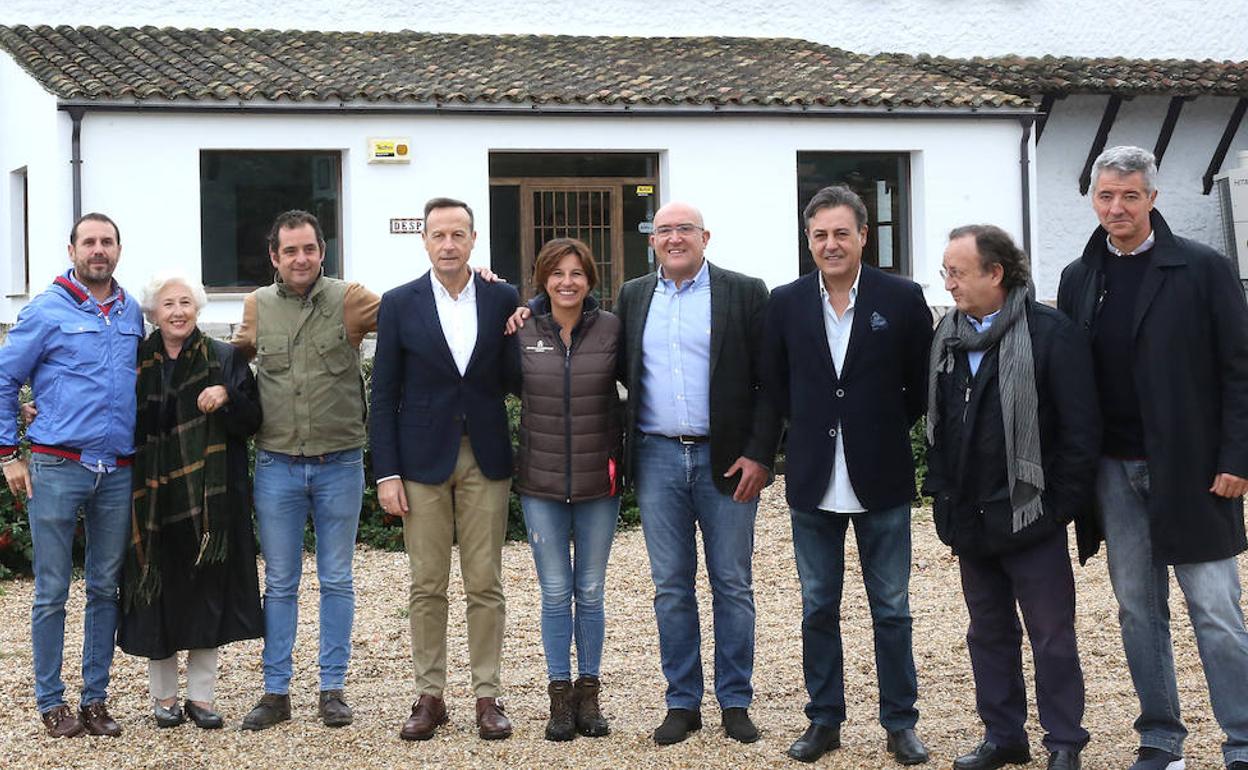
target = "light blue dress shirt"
x: 973, y: 357
x: 676, y: 359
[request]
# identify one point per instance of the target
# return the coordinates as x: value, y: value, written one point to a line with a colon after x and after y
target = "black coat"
x: 743, y: 424
x: 876, y: 397
x: 967, y: 475
x: 213, y: 604
x: 1191, y: 371
x: 420, y: 401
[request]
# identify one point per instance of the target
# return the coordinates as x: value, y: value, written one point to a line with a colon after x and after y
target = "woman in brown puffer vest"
x: 570, y: 436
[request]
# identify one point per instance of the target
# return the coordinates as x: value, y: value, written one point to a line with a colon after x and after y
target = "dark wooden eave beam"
x: 1046, y: 109
x: 1167, y: 127
x: 1098, y: 144
x: 1219, y: 155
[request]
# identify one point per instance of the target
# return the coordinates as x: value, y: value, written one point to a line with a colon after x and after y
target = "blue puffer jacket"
x: 81, y: 363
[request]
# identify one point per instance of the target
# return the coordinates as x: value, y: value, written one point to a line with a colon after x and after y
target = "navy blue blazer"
x: 421, y: 406
x: 876, y: 397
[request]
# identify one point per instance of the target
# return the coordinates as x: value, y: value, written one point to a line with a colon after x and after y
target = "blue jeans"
x: 677, y: 496
x: 884, y: 552
x: 62, y: 487
x: 1212, y: 591
x: 588, y: 527
x: 288, y: 489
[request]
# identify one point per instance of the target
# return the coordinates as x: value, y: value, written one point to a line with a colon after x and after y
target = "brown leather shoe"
x: 492, y: 723
x: 61, y: 722
x: 96, y: 720
x: 428, y: 712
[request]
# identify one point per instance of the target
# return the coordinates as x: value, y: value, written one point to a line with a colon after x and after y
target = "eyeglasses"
x: 952, y: 273
x: 682, y: 229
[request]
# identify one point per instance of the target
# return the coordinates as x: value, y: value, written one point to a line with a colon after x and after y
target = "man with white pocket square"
x: 845, y: 361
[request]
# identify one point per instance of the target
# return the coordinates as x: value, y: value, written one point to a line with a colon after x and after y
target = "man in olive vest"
x: 305, y: 332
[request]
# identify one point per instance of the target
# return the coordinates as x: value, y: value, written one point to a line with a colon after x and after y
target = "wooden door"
x: 572, y: 208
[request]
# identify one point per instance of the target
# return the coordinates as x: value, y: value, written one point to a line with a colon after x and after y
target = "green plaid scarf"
x: 179, y: 504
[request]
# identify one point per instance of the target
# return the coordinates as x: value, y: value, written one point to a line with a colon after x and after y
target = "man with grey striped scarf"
x: 1014, y: 432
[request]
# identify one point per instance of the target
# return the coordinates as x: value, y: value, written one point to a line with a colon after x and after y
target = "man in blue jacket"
x: 76, y: 343
x: 845, y: 360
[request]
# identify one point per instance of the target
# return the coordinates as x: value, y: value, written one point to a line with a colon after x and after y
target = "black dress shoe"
x: 677, y: 725
x: 906, y: 747
x: 204, y: 719
x: 1064, y: 760
x: 815, y: 742
x: 989, y: 756
x: 737, y: 725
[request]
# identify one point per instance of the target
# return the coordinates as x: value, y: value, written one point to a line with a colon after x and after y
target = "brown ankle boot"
x: 589, y: 719
x: 562, y: 724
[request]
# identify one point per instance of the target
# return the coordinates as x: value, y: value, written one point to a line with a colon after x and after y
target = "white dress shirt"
x: 458, y: 317
x: 839, y: 496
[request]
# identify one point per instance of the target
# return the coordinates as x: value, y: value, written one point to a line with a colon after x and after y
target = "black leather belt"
x: 684, y: 439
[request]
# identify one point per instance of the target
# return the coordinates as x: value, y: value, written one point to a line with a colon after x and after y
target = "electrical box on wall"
x: 389, y: 149
x: 1232, y: 189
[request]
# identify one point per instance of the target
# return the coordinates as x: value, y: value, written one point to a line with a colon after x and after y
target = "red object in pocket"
x: 613, y: 473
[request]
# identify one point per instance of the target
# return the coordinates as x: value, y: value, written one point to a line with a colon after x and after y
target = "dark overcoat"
x: 967, y: 474
x: 1191, y: 372
x: 213, y: 604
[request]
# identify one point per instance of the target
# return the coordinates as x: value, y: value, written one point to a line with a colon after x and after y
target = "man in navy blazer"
x: 442, y: 455
x: 846, y: 350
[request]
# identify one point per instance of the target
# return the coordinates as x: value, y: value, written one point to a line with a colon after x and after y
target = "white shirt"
x: 839, y: 496
x: 458, y: 317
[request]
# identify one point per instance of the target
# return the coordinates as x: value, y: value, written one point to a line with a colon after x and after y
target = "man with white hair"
x: 75, y: 343
x: 1169, y: 330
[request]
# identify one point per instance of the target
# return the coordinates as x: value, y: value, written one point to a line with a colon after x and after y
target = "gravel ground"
x: 379, y: 685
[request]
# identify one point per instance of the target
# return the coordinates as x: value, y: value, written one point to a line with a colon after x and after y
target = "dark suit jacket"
x: 421, y: 406
x: 742, y: 422
x: 876, y: 397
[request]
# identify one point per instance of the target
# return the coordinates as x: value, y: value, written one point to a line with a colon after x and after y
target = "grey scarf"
x: 1016, y: 379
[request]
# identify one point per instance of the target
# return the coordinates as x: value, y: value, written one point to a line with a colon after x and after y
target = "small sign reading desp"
x: 406, y: 225
x: 392, y: 149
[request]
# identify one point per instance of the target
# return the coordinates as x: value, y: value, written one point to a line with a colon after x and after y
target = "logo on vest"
x: 540, y: 347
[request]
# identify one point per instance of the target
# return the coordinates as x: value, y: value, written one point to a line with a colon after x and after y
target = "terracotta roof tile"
x: 102, y: 63
x: 1065, y: 75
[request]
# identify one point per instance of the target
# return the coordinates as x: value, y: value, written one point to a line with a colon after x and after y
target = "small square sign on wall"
x: 389, y: 149
x: 406, y: 225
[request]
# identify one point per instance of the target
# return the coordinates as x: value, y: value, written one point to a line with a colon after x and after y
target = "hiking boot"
x: 61, y: 722
x: 589, y: 719
x: 562, y: 724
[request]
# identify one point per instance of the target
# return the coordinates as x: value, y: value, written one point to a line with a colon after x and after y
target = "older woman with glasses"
x: 570, y: 435
x: 190, y: 573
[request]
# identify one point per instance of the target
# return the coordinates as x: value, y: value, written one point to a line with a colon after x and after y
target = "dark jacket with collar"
x: 421, y: 406
x: 967, y: 476
x: 570, y: 406
x: 875, y: 398
x: 742, y: 422
x: 1191, y: 371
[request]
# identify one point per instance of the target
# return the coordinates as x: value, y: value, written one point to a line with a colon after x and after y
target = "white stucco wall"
x: 35, y: 136
x: 1066, y: 218
x: 1135, y: 28
x: 143, y: 169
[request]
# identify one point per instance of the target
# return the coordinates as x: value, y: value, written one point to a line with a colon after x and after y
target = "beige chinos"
x: 475, y: 508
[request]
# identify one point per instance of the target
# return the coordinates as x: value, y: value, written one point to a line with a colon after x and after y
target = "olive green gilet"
x: 311, y: 389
